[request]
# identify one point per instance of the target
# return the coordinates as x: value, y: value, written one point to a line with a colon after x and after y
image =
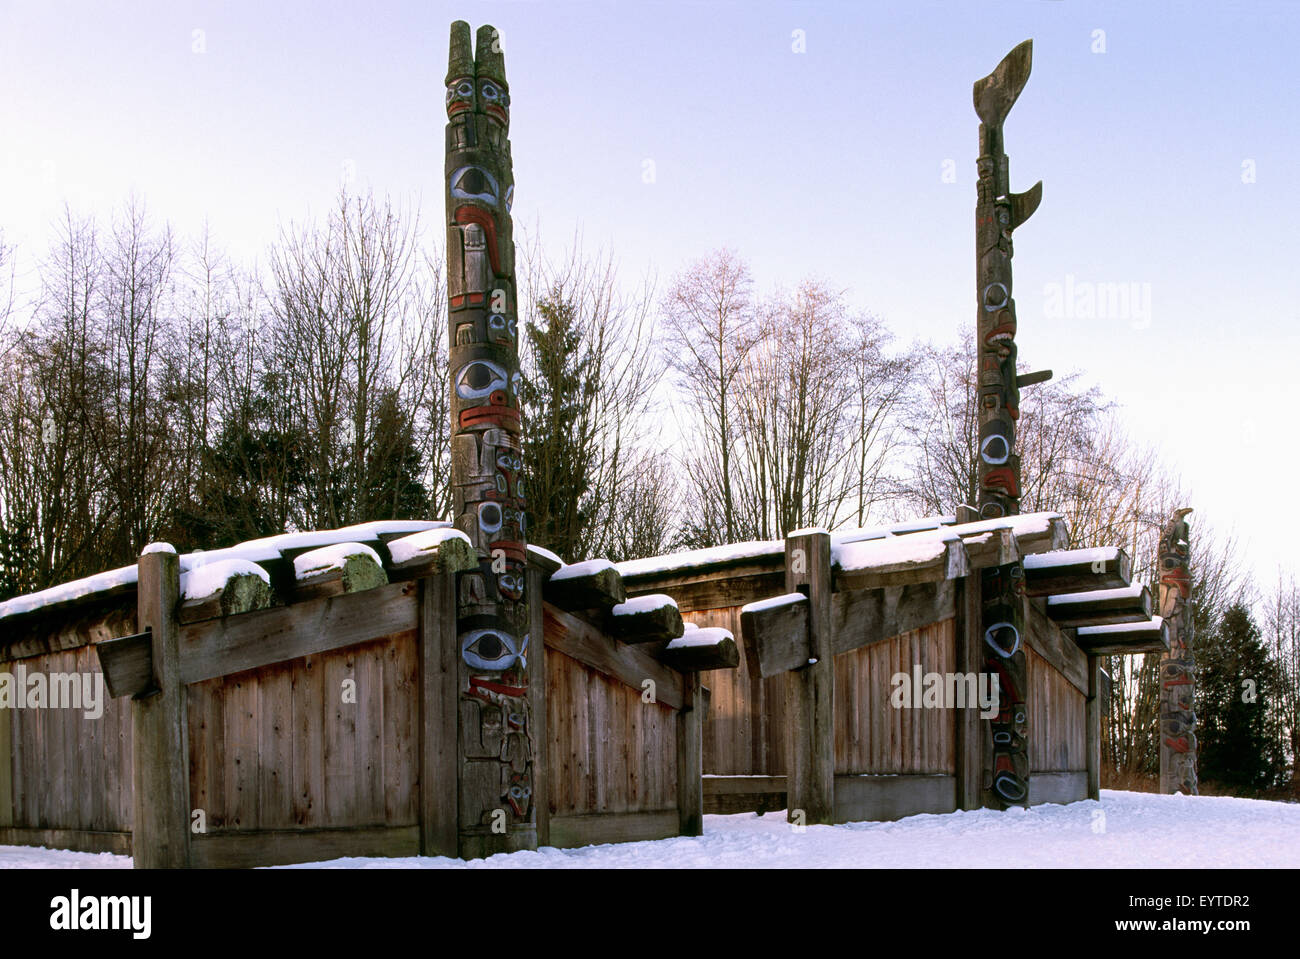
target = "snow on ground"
x: 1123, y: 830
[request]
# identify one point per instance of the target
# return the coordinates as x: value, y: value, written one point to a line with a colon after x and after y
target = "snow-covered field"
x: 1124, y: 829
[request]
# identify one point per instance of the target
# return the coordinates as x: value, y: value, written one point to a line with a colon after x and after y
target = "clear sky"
x: 1167, y: 143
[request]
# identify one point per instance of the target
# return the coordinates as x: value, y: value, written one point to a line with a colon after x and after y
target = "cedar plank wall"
x: 71, y: 772
x: 871, y: 736
x: 1056, y: 720
x: 608, y: 751
x: 277, y: 748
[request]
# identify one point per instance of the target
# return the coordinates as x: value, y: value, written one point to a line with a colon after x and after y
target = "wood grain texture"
x: 1058, y: 741
x: 575, y: 637
x: 439, y: 658
x: 810, y: 691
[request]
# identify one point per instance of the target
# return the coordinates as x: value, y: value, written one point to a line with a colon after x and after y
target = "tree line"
x: 157, y: 390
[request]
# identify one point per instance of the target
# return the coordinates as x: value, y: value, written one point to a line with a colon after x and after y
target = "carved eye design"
x: 478, y: 379
x: 994, y: 450
x: 490, y: 91
x: 489, y: 517
x: 475, y: 183
x: 508, y: 461
x: 488, y: 649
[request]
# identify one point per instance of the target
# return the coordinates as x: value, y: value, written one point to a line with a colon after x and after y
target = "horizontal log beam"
x: 429, y: 553
x: 776, y: 630
x: 631, y: 665
x: 1077, y: 571
x: 345, y: 568
x: 929, y: 560
x: 640, y: 622
x: 869, y: 616
x: 241, y: 591
x: 1124, y: 639
x: 218, y: 647
x: 693, y: 653
x: 585, y: 586
x: 1102, y: 608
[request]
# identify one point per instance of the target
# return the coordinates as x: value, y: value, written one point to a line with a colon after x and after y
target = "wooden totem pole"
x: 998, y: 212
x: 496, y: 749
x: 1178, y: 666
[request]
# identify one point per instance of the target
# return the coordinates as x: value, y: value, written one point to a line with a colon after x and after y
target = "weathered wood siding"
x: 608, y: 751
x: 70, y: 771
x: 745, y: 732
x: 279, y: 748
x: 1057, y: 727
x: 871, y: 735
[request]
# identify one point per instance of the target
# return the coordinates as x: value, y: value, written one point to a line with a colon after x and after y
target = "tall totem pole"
x: 998, y: 212
x: 1178, y: 666
x: 495, y: 751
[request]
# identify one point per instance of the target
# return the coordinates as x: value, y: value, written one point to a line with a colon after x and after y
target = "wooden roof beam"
x: 1076, y: 571
x: 1125, y: 638
x: 1105, y: 607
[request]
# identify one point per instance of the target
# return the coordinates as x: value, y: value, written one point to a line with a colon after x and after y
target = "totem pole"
x: 495, y: 749
x: 1178, y: 666
x: 998, y: 212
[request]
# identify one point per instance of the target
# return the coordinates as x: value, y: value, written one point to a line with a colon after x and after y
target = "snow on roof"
x: 1153, y: 623
x: 326, y: 558
x: 158, y: 548
x: 582, y: 569
x: 409, y: 547
x: 872, y: 554
x: 203, y: 581
x: 701, y: 636
x: 255, y: 551
x: 644, y: 604
x: 1070, y: 557
x: 785, y: 599
x: 1097, y: 595
x: 543, y: 551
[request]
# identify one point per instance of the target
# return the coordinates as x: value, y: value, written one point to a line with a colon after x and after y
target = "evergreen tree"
x: 1235, y: 682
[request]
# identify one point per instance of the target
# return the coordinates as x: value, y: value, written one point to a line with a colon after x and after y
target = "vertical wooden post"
x: 6, y: 770
x: 810, y: 772
x: 1092, y: 722
x: 439, y: 662
x: 537, y: 699
x: 160, y: 827
x: 690, y: 769
x: 970, y: 727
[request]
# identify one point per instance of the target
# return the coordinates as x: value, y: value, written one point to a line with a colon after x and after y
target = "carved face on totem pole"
x: 487, y: 455
x: 1177, y: 668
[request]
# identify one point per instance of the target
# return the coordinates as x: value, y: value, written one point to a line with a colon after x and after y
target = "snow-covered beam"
x: 442, y: 550
x: 900, y: 561
x: 336, y: 570
x: 1103, y: 607
x: 1151, y: 636
x: 701, y: 648
x: 1076, y: 571
x: 595, y: 584
x: 224, y: 588
x: 646, y: 619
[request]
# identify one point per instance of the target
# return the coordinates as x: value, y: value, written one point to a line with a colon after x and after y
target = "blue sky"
x: 1169, y: 163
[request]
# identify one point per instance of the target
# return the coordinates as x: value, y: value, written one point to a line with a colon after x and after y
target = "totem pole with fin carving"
x: 495, y: 750
x: 998, y: 212
x: 1178, y: 666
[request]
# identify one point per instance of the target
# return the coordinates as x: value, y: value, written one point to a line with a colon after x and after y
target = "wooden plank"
x: 690, y: 791
x: 882, y: 798
x: 1092, y: 727
x: 439, y: 717
x: 73, y: 840
x: 160, y: 798
x: 538, y: 572
x: 6, y: 769
x: 689, y: 656
x: 401, y: 737
x: 727, y: 795
x: 648, y: 625
x: 872, y: 615
x: 810, y: 694
x: 631, y: 665
x: 1045, y: 638
x: 223, y: 646
x: 241, y: 593
x: 127, y: 664
x: 275, y: 748
x: 1076, y: 571
x: 717, y: 590
x: 570, y: 831
x: 1151, y: 636
x: 239, y: 751
x: 262, y: 847
x: 777, y: 635
x: 1058, y: 787
x: 308, y: 742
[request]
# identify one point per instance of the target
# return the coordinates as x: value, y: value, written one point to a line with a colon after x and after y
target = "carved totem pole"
x: 1178, y: 666
x: 998, y: 212
x: 496, y: 751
